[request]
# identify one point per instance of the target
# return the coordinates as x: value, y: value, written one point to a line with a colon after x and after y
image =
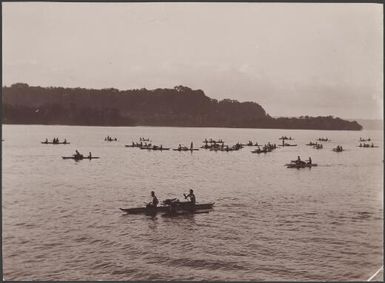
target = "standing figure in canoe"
x: 191, y: 196
x: 154, y: 202
x: 77, y: 154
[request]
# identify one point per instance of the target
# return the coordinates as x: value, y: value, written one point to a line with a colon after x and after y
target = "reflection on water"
x: 61, y: 218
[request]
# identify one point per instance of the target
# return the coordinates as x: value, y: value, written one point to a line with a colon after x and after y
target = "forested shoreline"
x: 179, y: 106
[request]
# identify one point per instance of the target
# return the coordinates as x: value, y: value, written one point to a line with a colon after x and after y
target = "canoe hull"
x: 180, y: 206
x: 75, y: 158
x: 300, y: 166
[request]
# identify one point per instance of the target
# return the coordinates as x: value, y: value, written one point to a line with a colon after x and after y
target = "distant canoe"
x: 260, y: 151
x: 80, y: 158
x: 130, y: 145
x: 55, y: 143
x: 154, y: 148
x: 287, y: 144
x: 185, y: 149
x: 298, y: 166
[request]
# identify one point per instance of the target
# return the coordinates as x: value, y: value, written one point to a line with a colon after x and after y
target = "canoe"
x: 184, y: 149
x: 166, y: 208
x: 260, y: 151
x: 286, y: 144
x: 55, y: 143
x: 80, y: 158
x: 158, y: 148
x: 292, y: 165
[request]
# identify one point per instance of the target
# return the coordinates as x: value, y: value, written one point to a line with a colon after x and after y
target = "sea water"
x: 61, y: 218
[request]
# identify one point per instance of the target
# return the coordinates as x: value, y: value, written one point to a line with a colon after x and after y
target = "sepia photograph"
x: 192, y: 141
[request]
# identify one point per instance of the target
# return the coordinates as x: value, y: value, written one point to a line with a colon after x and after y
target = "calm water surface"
x: 61, y: 219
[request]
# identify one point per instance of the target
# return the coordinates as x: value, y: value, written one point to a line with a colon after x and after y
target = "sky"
x: 293, y: 59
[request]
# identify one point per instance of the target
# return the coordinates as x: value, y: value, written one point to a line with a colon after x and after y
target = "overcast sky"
x: 293, y: 59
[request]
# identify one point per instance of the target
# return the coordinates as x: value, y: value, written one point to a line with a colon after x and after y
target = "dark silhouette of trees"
x: 179, y: 106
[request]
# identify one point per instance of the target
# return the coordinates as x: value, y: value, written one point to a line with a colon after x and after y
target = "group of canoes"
x: 250, y: 143
x: 150, y: 146
x: 55, y: 141
x: 153, y: 147
x: 265, y: 149
x: 323, y: 139
x: 223, y: 147
x: 367, y: 145
x: 365, y: 140
x: 210, y: 140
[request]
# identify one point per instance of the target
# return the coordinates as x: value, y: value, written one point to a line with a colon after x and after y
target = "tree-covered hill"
x: 179, y: 106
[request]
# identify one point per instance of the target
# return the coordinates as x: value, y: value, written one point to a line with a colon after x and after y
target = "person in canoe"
x: 191, y: 145
x: 154, y: 202
x: 78, y: 155
x: 299, y: 161
x: 191, y: 196
x: 309, y: 161
x: 89, y: 155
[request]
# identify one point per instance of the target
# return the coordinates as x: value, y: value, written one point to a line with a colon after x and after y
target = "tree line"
x: 178, y: 106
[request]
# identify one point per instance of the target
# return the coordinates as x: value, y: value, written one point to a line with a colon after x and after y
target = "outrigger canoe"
x: 307, y: 165
x: 80, y: 158
x: 180, y: 206
x: 287, y: 144
x: 260, y: 151
x: 185, y: 149
x: 155, y: 148
x: 55, y: 142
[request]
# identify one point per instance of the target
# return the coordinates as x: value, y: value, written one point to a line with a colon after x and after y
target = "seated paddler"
x: 154, y: 202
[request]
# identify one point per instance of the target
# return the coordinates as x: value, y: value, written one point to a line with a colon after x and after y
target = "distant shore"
x: 176, y: 107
